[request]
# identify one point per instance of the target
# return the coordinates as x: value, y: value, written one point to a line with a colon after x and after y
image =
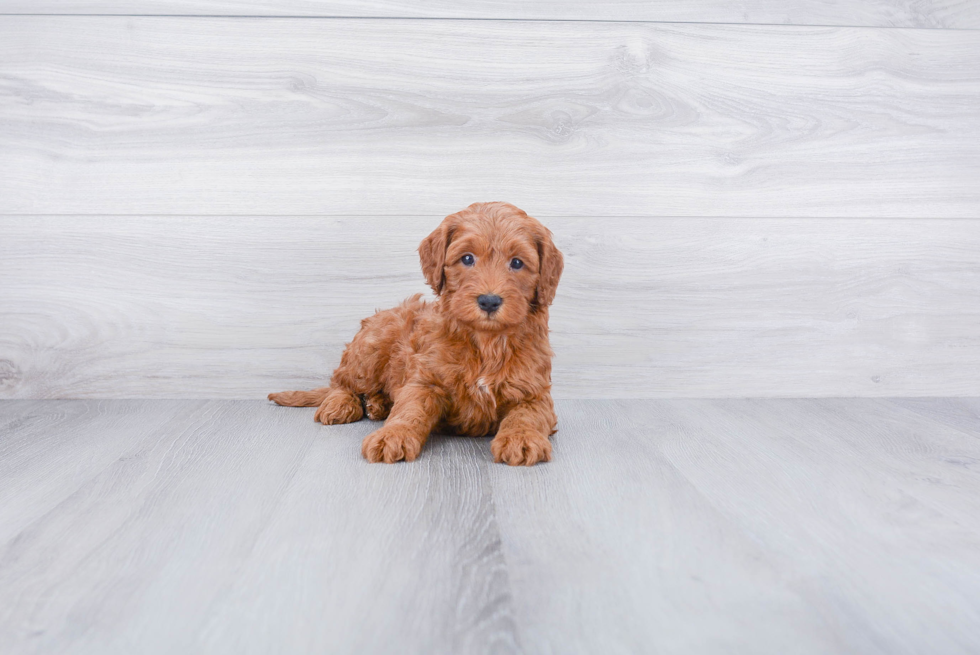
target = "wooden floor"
x: 668, y: 526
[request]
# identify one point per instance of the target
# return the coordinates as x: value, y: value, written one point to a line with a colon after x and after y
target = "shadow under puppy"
x: 476, y: 361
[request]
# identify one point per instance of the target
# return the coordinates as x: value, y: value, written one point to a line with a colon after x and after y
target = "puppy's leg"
x: 522, y: 438
x: 416, y: 410
x: 362, y: 370
x: 335, y: 404
x: 300, y: 398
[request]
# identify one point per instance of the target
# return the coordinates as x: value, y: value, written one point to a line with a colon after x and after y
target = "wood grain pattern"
x: 236, y: 307
x: 165, y: 545
x: 116, y: 115
x: 696, y: 526
x: 874, y: 13
x: 39, y: 442
x: 750, y: 526
x: 960, y: 413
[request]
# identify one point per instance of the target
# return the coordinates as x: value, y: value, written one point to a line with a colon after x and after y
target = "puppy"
x: 476, y: 361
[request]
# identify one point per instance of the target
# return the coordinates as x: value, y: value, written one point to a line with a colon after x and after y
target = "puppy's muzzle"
x: 489, y: 302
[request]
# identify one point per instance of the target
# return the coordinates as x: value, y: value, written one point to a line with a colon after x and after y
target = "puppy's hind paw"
x: 340, y: 406
x: 378, y: 406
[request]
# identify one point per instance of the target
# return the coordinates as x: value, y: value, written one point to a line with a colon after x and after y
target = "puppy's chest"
x: 485, y: 391
x: 481, y: 402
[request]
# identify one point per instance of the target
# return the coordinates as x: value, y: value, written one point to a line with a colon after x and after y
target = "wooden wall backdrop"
x: 871, y: 13
x: 115, y: 115
x: 205, y: 206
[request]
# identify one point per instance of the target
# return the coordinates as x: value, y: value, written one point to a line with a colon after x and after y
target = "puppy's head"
x: 492, y: 264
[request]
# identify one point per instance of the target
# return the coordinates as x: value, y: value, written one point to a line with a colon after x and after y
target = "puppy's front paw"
x: 520, y: 447
x: 391, y: 444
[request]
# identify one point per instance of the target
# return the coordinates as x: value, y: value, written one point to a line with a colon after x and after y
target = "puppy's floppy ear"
x: 550, y: 267
x: 432, y: 252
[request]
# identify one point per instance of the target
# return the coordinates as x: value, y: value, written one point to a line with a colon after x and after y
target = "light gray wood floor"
x: 673, y: 526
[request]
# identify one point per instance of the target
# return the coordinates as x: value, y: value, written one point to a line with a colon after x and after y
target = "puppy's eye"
x: 516, y: 264
x: 467, y: 260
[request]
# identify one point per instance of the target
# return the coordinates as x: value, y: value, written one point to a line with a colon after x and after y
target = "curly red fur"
x: 448, y: 365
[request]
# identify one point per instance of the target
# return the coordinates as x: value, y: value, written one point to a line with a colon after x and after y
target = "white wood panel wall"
x: 238, y: 306
x: 206, y: 206
x: 872, y: 13
x: 307, y: 116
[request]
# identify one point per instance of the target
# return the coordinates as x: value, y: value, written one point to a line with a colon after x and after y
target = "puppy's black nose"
x: 489, y: 303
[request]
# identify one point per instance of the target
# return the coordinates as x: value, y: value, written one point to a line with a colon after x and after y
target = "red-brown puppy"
x: 476, y: 361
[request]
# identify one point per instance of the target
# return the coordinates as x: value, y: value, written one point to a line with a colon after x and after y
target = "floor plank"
x: 237, y: 307
x: 889, y: 573
x: 875, y: 13
x: 612, y: 549
x: 198, y: 512
x: 396, y: 559
x: 684, y: 526
x: 176, y: 496
x: 66, y: 445
x: 960, y: 413
x: 129, y: 115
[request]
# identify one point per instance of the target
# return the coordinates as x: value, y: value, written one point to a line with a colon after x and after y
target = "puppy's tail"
x: 300, y: 398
